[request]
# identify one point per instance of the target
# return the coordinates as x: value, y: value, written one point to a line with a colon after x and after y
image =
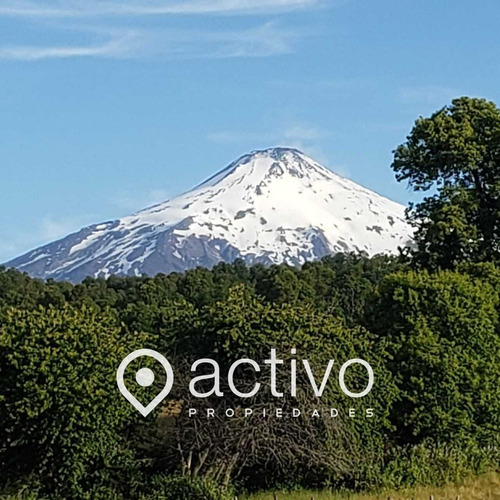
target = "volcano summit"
x: 271, y: 206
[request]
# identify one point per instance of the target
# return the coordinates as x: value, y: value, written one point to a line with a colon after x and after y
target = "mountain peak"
x: 282, y: 155
x: 276, y: 162
x: 269, y: 206
x: 277, y: 153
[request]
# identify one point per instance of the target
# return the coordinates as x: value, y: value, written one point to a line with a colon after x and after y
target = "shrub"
x: 443, y: 335
x: 61, y: 418
x: 185, y: 488
x: 435, y: 464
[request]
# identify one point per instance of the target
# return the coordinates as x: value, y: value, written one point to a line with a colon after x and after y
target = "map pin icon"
x: 145, y: 377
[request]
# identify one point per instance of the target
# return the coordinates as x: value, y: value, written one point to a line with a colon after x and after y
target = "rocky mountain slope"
x: 271, y: 206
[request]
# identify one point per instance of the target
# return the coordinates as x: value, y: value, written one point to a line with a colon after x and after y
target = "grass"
x: 486, y: 487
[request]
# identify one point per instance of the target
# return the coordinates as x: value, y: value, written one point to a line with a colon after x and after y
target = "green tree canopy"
x: 455, y: 154
x: 61, y: 417
x: 443, y: 335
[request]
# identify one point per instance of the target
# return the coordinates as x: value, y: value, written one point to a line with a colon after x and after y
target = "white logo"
x: 145, y: 377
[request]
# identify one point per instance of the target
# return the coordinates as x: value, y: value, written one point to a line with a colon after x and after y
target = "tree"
x: 456, y: 154
x: 443, y: 338
x: 62, y: 421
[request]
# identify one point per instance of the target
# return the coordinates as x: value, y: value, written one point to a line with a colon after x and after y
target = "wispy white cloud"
x: 112, y: 29
x: 36, y: 53
x: 138, y: 201
x: 291, y: 135
x: 309, y: 139
x: 80, y: 8
x: 302, y: 132
x: 49, y: 229
x: 265, y: 40
x: 238, y: 137
x: 117, y: 45
x: 269, y: 39
x: 303, y: 136
x: 54, y: 228
x: 432, y: 95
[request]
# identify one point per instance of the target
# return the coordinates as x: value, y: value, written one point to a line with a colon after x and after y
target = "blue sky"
x: 108, y: 106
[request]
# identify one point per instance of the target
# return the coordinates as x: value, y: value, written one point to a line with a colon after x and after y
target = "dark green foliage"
x: 434, y: 464
x: 18, y: 289
x: 431, y: 337
x: 443, y: 334
x: 242, y: 327
x: 456, y: 154
x: 61, y: 417
x: 343, y: 285
x: 184, y: 488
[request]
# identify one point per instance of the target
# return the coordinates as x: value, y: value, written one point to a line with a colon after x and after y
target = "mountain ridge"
x: 268, y: 206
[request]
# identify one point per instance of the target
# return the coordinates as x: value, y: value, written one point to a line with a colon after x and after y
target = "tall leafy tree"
x: 455, y: 155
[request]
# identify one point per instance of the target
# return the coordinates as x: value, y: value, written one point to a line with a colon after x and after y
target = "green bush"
x: 185, y: 488
x: 435, y: 464
x: 62, y: 420
x: 443, y: 333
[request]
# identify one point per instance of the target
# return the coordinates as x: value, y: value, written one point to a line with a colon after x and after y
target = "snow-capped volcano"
x: 271, y: 206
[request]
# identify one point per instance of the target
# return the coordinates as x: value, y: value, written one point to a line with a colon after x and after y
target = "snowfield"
x: 271, y: 206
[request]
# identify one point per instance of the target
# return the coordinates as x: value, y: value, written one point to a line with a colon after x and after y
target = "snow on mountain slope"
x: 271, y: 206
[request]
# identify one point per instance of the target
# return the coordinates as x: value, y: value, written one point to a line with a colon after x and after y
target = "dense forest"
x: 427, y: 321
